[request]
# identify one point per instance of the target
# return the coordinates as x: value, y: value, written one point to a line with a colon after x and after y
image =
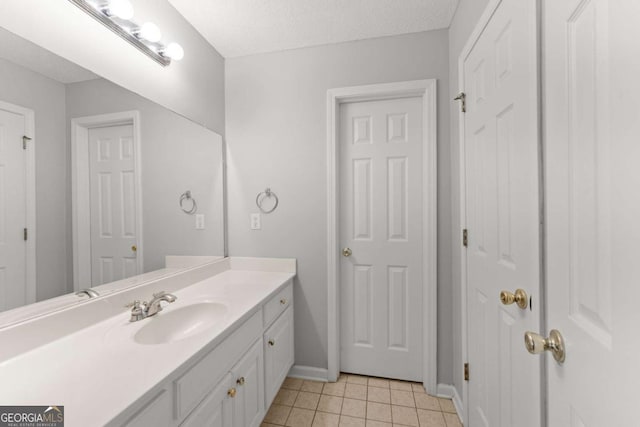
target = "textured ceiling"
x: 245, y: 27
x: 35, y: 58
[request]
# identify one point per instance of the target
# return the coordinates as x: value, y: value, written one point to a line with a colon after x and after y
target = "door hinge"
x: 466, y: 372
x: 465, y: 238
x: 25, y: 234
x: 25, y: 138
x: 462, y: 97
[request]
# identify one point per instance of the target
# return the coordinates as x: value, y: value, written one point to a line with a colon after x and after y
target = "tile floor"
x: 357, y: 401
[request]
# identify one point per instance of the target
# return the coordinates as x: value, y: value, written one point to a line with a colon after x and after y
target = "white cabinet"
x: 156, y: 412
x: 248, y: 402
x: 278, y: 354
x: 217, y: 408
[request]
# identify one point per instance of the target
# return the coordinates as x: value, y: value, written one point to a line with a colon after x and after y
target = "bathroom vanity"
x: 215, y: 357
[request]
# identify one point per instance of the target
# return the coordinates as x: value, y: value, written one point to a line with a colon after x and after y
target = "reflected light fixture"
x: 117, y: 14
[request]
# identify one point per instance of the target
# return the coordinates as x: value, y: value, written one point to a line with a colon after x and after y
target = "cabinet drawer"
x: 191, y: 387
x: 278, y: 354
x: 278, y: 304
x: 157, y: 412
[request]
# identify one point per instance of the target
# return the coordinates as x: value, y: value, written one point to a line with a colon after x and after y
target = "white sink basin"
x: 181, y: 323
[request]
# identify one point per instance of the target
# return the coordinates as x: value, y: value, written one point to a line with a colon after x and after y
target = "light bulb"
x: 150, y: 32
x: 174, y: 51
x: 123, y: 9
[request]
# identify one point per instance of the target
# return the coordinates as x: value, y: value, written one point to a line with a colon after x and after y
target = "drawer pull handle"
x: 232, y: 392
x: 283, y: 301
x: 240, y: 381
x: 272, y: 342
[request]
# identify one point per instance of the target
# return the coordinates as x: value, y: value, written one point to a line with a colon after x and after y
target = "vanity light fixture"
x: 117, y: 14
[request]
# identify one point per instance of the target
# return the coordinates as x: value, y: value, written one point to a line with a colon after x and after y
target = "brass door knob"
x: 536, y: 344
x: 346, y: 252
x: 271, y: 342
x: 240, y: 381
x: 520, y: 298
x: 134, y: 248
x: 232, y: 392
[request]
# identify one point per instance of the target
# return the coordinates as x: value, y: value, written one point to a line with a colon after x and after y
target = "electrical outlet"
x: 255, y: 221
x: 199, y: 222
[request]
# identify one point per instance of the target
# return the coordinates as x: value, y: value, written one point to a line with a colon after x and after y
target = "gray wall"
x: 177, y: 155
x: 276, y: 136
x: 464, y: 21
x: 46, y: 98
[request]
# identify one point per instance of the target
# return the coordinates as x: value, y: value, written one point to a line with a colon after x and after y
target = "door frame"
x: 30, y: 197
x: 80, y: 189
x: 426, y: 89
x: 482, y: 22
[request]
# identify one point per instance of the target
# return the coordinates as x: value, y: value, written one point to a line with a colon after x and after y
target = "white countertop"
x: 98, y: 371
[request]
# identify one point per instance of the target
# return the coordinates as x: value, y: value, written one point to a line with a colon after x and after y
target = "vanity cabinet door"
x: 217, y: 408
x: 278, y: 353
x: 249, y: 383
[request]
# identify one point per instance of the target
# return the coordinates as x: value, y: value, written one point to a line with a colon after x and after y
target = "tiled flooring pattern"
x: 357, y: 401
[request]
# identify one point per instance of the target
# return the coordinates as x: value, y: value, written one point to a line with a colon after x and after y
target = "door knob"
x: 536, y: 344
x: 134, y: 248
x: 520, y: 298
x: 232, y: 392
x: 346, y: 252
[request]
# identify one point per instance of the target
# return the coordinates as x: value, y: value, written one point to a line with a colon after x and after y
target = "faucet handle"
x: 134, y: 304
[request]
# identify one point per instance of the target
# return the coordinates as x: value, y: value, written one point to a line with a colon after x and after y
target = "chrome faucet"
x: 88, y: 292
x: 145, y: 309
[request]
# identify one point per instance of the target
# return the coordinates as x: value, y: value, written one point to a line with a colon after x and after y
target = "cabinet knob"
x: 240, y: 381
x: 283, y: 301
x: 272, y: 342
x: 232, y: 392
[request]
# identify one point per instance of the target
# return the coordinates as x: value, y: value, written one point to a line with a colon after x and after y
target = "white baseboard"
x: 309, y: 373
x: 447, y: 390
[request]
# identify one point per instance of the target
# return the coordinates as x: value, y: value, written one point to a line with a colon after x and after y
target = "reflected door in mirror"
x: 113, y: 204
x: 12, y: 211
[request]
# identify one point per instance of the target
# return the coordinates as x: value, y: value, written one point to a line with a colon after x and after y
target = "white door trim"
x: 427, y: 90
x: 30, y: 164
x: 80, y: 190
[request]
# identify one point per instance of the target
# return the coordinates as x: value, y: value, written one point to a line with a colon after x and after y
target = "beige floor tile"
x: 355, y: 391
x: 447, y: 405
x: 307, y: 400
x: 357, y: 379
x: 400, y: 385
x: 379, y: 412
x: 346, y: 421
x: 378, y: 382
x: 331, y: 404
x: 377, y: 394
x: 300, y: 417
x: 354, y: 408
x: 452, y: 420
x: 334, y: 389
x: 277, y: 414
x: 402, y: 398
x: 285, y: 397
x: 312, y: 386
x: 374, y: 423
x: 430, y: 418
x: 292, y: 383
x: 268, y: 425
x: 323, y: 419
x: 342, y: 378
x: 425, y: 401
x: 403, y: 415
x: 418, y: 388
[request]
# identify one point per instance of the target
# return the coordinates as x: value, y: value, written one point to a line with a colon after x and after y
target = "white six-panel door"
x: 381, y: 223
x: 113, y: 204
x: 592, y: 128
x: 13, y: 210
x: 502, y: 217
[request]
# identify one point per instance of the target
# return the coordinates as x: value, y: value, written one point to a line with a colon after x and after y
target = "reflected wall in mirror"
x: 91, y: 177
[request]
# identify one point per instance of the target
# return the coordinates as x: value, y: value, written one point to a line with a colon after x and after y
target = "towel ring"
x: 194, y: 206
x: 266, y: 194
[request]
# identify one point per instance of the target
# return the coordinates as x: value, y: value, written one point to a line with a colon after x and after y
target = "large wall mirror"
x: 97, y: 184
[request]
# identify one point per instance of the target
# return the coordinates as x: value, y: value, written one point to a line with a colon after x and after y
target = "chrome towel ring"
x: 266, y: 194
x: 186, y: 197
